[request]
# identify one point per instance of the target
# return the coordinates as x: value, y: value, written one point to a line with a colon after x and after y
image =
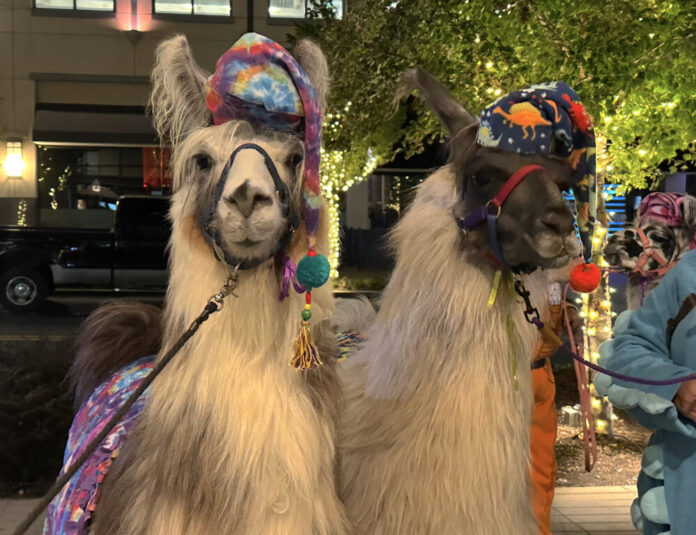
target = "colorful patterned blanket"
x: 348, y: 342
x: 70, y: 512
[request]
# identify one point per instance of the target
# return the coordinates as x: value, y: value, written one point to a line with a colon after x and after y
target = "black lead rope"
x: 214, y: 304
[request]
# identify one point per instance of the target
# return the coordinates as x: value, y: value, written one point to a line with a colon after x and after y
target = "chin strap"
x: 212, y: 235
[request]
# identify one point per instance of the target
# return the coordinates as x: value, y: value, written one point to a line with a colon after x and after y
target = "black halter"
x: 213, y: 236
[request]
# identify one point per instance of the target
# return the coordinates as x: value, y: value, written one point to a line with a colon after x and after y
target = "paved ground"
x: 12, y: 512
x: 583, y: 510
x: 593, y: 510
x: 61, y: 315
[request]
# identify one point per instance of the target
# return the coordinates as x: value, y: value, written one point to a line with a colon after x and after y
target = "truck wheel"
x: 22, y: 289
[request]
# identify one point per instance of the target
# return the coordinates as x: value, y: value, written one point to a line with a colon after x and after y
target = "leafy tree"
x: 631, y: 61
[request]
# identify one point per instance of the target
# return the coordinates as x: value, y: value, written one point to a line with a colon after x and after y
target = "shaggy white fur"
x: 233, y: 439
x: 434, y: 435
x: 230, y: 436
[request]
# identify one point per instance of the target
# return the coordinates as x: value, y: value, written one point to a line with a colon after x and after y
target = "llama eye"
x: 564, y: 186
x: 293, y: 160
x: 480, y: 178
x: 202, y: 161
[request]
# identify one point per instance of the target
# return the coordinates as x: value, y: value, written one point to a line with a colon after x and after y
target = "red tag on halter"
x: 512, y: 183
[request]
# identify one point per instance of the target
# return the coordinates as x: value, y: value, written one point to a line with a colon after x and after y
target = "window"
x: 73, y: 177
x: 82, y: 5
x: 297, y: 9
x: 220, y: 8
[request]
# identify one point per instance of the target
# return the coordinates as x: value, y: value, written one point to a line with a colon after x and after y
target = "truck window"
x: 142, y: 219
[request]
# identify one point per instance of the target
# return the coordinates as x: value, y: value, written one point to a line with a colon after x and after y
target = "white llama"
x: 232, y: 438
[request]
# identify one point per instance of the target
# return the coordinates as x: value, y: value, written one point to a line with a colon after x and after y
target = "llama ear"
x: 177, y: 101
x: 312, y: 60
x: 688, y: 206
x: 439, y: 99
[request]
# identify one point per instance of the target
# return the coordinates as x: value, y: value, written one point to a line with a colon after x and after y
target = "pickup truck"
x: 131, y: 256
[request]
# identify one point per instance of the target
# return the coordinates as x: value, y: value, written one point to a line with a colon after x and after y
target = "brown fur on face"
x: 535, y: 227
x: 114, y: 335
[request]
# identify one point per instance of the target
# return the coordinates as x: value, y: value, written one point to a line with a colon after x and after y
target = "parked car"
x: 130, y: 256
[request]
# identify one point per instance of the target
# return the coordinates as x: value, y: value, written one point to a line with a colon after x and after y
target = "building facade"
x: 73, y: 88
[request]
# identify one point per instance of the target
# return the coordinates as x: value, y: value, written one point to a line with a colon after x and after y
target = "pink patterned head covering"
x: 664, y: 209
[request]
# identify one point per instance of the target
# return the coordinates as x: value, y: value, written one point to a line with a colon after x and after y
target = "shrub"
x: 35, y: 414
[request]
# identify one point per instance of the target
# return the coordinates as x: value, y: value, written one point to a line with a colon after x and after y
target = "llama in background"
x: 664, y: 230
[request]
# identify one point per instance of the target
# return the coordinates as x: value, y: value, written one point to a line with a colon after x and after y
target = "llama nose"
x: 246, y: 199
x: 241, y: 198
x: 559, y: 220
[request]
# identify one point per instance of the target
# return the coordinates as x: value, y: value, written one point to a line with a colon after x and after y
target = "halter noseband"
x: 650, y: 251
x: 213, y: 235
x: 489, y: 213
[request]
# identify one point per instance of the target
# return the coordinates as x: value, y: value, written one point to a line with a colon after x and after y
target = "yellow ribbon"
x: 494, y: 288
x: 510, y: 324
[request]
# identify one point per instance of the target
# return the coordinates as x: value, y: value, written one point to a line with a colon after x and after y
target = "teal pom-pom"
x: 313, y: 271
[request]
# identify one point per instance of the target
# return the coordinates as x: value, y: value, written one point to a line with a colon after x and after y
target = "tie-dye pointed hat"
x: 258, y: 81
x: 549, y: 119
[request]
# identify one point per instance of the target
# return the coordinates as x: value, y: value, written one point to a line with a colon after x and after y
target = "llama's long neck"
x: 443, y: 419
x: 229, y: 407
x: 438, y: 294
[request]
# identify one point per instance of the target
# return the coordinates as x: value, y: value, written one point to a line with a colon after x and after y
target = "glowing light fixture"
x: 14, y: 165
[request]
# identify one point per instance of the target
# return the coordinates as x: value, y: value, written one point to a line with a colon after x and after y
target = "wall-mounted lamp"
x: 14, y: 164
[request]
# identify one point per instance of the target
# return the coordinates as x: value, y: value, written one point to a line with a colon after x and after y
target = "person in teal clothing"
x: 642, y: 347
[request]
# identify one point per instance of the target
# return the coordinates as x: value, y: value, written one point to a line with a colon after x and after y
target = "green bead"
x: 313, y: 271
x: 306, y: 314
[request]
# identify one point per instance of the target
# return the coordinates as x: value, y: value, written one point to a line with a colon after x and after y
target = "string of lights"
x: 596, y: 307
x: 335, y: 178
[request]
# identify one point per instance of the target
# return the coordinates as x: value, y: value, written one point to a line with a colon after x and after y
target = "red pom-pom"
x: 585, y: 278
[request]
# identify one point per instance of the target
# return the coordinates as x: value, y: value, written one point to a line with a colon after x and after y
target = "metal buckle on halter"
x: 531, y: 313
x: 228, y: 288
x: 497, y: 206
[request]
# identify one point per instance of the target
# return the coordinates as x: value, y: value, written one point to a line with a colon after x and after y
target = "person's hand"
x: 685, y: 400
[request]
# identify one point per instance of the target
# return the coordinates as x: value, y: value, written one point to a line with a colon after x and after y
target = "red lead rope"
x: 589, y: 436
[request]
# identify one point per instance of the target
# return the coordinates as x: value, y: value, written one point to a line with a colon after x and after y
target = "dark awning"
x: 93, y: 128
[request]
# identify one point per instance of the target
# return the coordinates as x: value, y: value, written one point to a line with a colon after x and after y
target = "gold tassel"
x: 306, y: 353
